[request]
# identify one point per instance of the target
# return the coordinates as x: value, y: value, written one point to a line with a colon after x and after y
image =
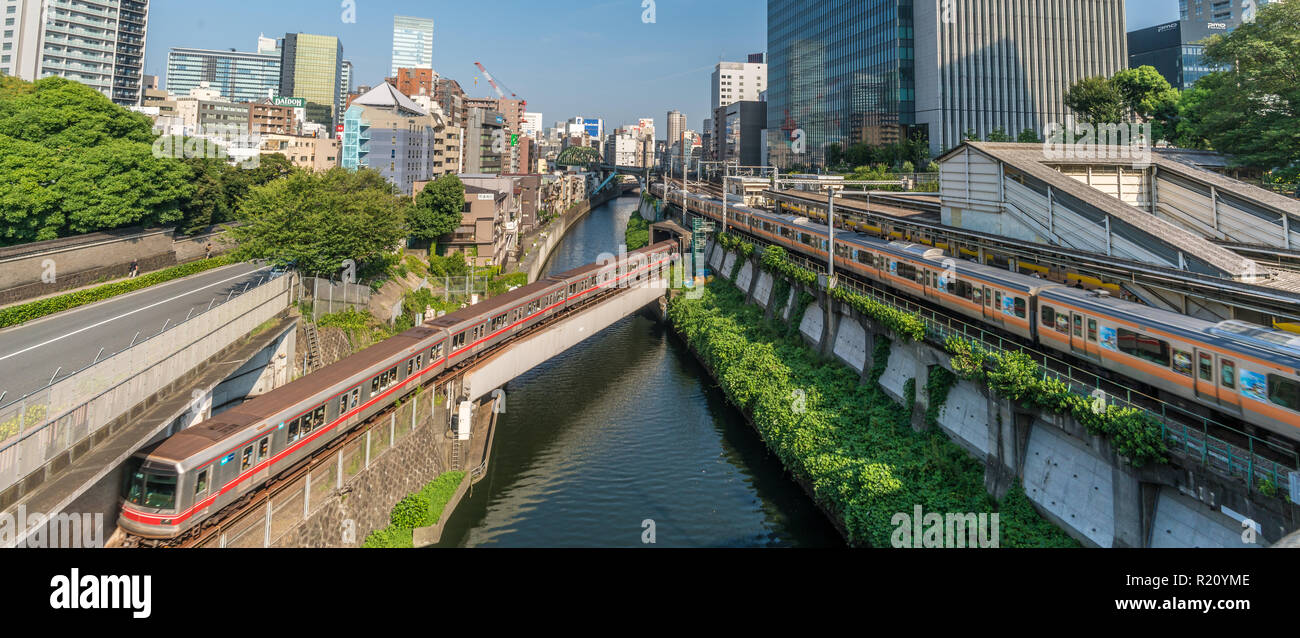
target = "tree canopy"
x: 1096, y: 100
x: 437, y: 209
x: 1252, y: 110
x: 319, y: 220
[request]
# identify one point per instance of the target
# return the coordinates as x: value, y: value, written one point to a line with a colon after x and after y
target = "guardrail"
x: 47, y: 422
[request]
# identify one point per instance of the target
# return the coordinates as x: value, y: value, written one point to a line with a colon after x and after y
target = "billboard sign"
x: 295, y: 102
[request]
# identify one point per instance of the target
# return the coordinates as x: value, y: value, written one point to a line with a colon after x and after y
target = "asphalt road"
x: 31, y: 353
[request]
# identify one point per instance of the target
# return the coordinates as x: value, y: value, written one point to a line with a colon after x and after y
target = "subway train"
x: 175, y: 485
x: 1247, y: 371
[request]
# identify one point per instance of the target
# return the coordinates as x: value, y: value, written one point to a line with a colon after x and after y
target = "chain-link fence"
x: 328, y: 296
x: 47, y: 422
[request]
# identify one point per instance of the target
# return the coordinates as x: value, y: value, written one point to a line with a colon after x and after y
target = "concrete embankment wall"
x: 41, y: 268
x: 1075, y: 479
x: 538, y: 257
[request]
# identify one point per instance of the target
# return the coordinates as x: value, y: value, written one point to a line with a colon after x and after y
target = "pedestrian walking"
x: 207, y: 251
x: 135, y: 268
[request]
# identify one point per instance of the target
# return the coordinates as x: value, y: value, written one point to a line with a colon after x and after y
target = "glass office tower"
x: 311, y: 67
x: 412, y: 43
x: 839, y: 71
x: 239, y: 76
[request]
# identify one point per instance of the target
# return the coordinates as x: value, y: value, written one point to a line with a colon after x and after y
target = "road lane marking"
x: 126, y: 314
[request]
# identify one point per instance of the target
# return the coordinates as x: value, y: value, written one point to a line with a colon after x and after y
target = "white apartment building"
x: 99, y: 43
x: 737, y: 82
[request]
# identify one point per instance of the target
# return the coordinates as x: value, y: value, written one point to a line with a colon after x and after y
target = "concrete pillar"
x: 1132, y: 518
x: 922, y: 405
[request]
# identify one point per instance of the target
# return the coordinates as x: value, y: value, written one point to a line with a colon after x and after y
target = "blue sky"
x: 594, y: 58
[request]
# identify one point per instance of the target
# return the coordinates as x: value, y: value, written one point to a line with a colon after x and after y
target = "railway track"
x: 1200, y: 434
x: 273, y: 487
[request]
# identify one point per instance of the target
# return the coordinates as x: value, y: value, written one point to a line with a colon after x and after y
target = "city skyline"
x: 537, y: 48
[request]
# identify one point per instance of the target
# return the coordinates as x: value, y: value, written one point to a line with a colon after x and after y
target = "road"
x: 31, y: 353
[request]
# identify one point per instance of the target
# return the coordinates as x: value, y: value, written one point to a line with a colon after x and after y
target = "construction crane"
x: 497, y: 86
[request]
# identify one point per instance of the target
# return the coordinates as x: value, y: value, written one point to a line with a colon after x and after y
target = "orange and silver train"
x: 1246, y: 371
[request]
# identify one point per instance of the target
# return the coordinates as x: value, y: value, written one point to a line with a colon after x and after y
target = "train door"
x: 1229, y: 392
x: 263, y: 454
x: 1206, y: 383
x: 990, y: 311
x: 1078, y: 336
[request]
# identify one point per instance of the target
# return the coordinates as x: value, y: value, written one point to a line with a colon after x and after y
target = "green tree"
x: 29, y: 209
x: 1144, y: 91
x: 997, y: 135
x: 318, y: 220
x: 437, y: 209
x: 1096, y: 100
x: 120, y: 183
x: 59, y: 113
x: 1252, y: 110
x: 1028, y: 136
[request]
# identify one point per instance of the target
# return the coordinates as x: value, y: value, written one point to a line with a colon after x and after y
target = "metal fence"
x: 328, y: 296
x: 1181, y: 429
x: 267, y: 524
x: 46, y: 422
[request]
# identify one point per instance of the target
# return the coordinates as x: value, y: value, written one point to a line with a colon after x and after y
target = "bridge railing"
x: 45, y: 423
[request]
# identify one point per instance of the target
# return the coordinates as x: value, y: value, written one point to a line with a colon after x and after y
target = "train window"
x: 976, y: 295
x: 1022, y: 308
x: 1284, y: 392
x: 1144, y: 347
x: 247, y: 459
x: 1092, y: 336
x: 906, y: 271
x: 1227, y: 373
x: 928, y: 283
x: 356, y: 395
x: 419, y: 361
x: 1207, y: 367
x: 458, y: 341
x: 201, y: 483
x: 1078, y: 326
x: 435, y: 353
x: 319, y: 419
x: 1183, y: 363
x: 343, y: 404
x: 1063, y: 323
x: 263, y: 448
x: 410, y: 367
x: 1048, y: 316
x: 997, y: 299
x: 293, y: 430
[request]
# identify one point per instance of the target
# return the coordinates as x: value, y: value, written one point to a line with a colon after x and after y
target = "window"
x: 1284, y: 392
x: 247, y: 459
x: 435, y: 353
x: 201, y: 483
x: 1228, y: 373
x: 343, y: 404
x: 1078, y: 326
x: 293, y: 429
x: 1092, y: 336
x: 1144, y: 347
x: 1207, y: 367
x: 1183, y: 363
x: 1022, y: 309
x: 263, y: 448
x: 1048, y: 316
x: 356, y: 397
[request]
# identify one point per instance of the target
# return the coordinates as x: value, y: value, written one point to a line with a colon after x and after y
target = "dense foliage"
x: 73, y: 162
x: 14, y: 315
x: 903, y: 324
x: 320, y: 220
x: 421, y: 509
x: 438, y: 209
x: 1016, y: 376
x: 637, y: 235
x: 849, y: 442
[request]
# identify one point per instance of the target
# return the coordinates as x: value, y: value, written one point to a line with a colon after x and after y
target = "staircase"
x: 455, y: 455
x: 315, y: 357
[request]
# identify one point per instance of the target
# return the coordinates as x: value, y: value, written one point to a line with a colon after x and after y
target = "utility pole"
x: 830, y: 249
x: 724, y: 199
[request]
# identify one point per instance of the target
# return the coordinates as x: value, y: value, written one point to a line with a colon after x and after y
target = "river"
x: 623, y: 439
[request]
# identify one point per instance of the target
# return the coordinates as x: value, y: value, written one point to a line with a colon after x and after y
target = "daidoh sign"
x: 295, y: 102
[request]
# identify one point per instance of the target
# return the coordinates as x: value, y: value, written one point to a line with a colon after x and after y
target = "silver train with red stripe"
x: 177, y: 484
x: 1247, y: 372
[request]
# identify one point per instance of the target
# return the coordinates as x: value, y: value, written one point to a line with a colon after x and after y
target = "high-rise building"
x: 239, y: 76
x: 676, y: 126
x: 311, y: 67
x: 412, y: 43
x: 413, y: 82
x: 737, y: 82
x: 388, y: 132
x: 531, y: 125
x: 1177, y: 49
x: 486, y: 143
x: 879, y: 71
x: 345, y: 80
x: 99, y: 43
